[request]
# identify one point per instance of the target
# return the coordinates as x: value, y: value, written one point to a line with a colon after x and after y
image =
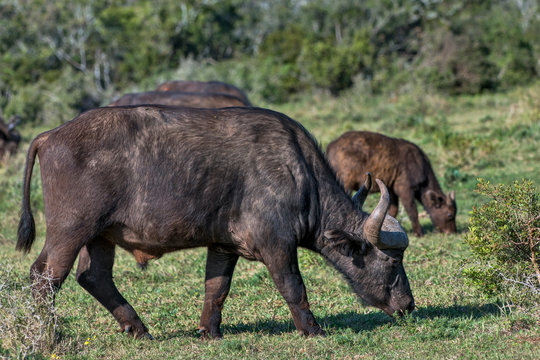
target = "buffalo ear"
x: 344, y: 242
x: 434, y: 199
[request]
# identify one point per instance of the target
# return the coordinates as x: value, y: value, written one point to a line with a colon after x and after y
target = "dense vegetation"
x: 58, y: 58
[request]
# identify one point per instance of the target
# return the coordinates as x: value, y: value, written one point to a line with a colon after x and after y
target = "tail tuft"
x: 26, y: 232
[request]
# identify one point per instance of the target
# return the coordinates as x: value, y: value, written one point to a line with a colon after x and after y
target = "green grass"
x: 493, y: 136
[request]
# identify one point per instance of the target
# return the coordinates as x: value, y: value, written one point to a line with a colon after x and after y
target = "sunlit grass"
x: 451, y: 321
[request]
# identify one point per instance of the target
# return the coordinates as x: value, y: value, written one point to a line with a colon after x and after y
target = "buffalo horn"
x: 373, y: 224
x: 384, y: 232
x: 361, y: 195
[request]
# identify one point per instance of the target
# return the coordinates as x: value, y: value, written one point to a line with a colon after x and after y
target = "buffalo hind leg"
x: 283, y: 268
x: 219, y: 271
x: 50, y: 270
x: 94, y: 274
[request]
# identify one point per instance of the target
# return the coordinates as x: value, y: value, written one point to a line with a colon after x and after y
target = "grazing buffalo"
x: 240, y: 181
x: 204, y: 87
x: 402, y: 166
x: 176, y: 98
x: 9, y: 137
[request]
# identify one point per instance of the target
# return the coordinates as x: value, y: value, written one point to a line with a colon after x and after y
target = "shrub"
x: 333, y: 67
x: 505, y: 240
x: 277, y: 81
x: 56, y: 102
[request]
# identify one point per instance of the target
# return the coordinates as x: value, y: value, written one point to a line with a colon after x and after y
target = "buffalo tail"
x: 26, y: 232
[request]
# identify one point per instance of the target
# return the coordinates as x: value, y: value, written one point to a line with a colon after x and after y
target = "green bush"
x: 485, y: 47
x: 505, y: 240
x: 55, y: 102
x: 279, y: 81
x: 286, y: 44
x: 458, y: 62
x: 333, y: 67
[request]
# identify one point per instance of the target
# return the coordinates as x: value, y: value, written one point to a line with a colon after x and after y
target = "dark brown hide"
x: 402, y: 166
x: 240, y: 181
x: 175, y: 98
x: 204, y: 87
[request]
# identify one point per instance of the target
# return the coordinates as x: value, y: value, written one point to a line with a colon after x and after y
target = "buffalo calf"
x: 403, y: 167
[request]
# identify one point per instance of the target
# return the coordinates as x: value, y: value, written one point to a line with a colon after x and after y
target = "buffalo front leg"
x: 409, y: 203
x: 283, y: 268
x: 219, y: 271
x: 94, y: 274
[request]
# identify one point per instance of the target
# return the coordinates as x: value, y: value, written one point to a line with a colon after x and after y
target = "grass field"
x: 495, y: 136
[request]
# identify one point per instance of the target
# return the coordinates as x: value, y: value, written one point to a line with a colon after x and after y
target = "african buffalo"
x: 402, y: 166
x: 240, y: 181
x: 204, y: 87
x: 9, y: 137
x: 176, y: 98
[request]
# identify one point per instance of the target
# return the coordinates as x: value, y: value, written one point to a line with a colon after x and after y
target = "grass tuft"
x: 28, y: 327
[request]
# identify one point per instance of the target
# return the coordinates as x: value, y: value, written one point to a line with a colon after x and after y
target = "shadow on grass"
x: 369, y: 322
x: 350, y: 320
x: 457, y: 311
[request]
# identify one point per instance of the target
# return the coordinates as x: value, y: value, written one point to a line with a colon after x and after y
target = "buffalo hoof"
x: 136, y: 333
x: 206, y: 335
x: 313, y: 332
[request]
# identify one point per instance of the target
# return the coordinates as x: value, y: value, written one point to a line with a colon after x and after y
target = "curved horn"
x: 383, y: 231
x: 373, y: 224
x: 360, y: 197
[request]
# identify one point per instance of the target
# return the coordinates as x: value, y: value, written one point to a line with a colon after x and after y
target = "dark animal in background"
x: 175, y: 98
x: 240, y: 181
x: 9, y: 137
x: 402, y: 166
x: 204, y: 87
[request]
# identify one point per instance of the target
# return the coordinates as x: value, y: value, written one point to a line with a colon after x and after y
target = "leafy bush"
x: 278, y: 81
x: 484, y: 47
x: 55, y: 102
x: 505, y: 240
x: 458, y: 62
x: 332, y: 66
